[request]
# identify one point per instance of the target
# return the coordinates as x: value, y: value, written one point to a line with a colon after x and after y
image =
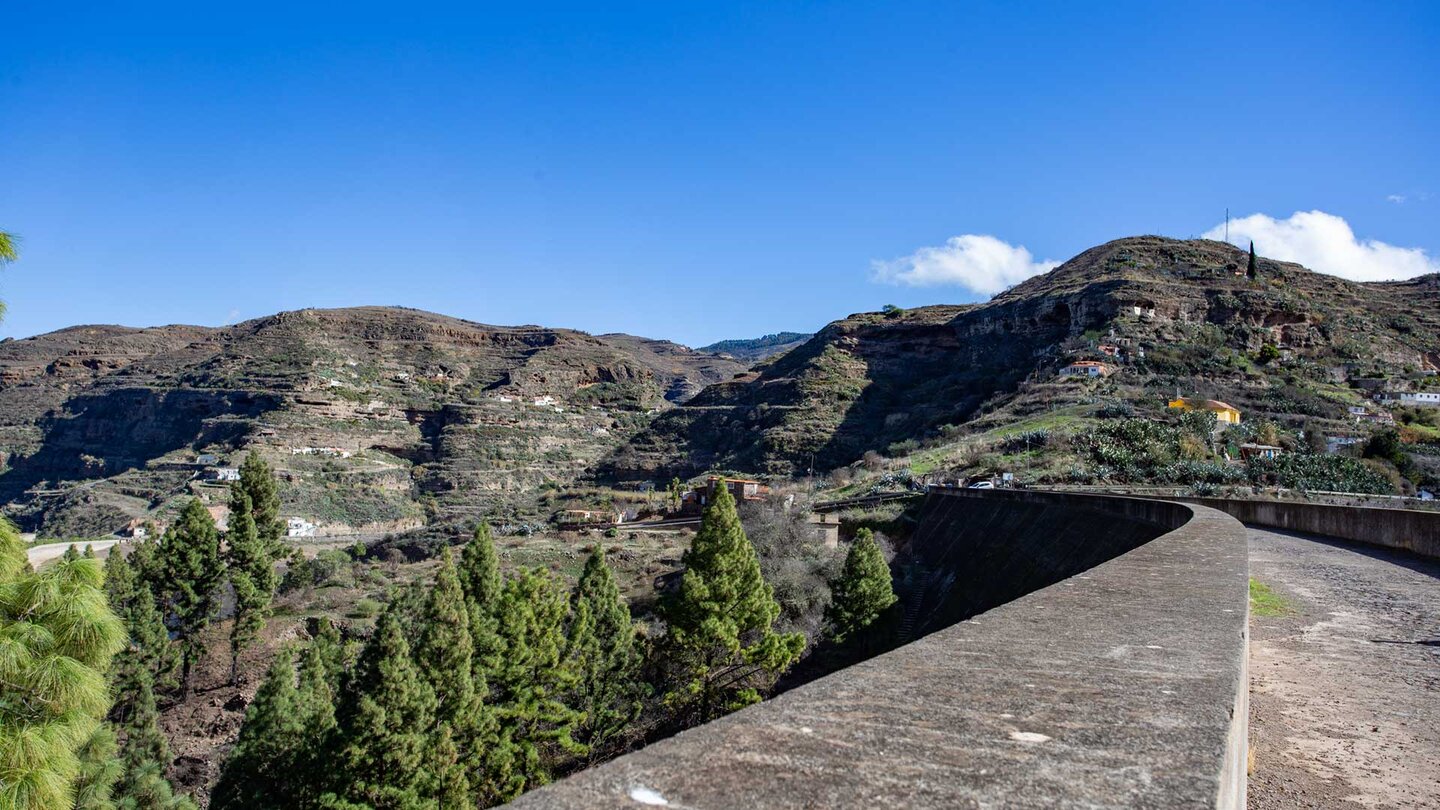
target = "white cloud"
x: 1326, y: 243
x: 981, y: 264
x: 1398, y: 199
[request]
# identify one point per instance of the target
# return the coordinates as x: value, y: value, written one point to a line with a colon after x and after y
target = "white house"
x: 207, y: 459
x: 221, y: 474
x: 1086, y: 368
x: 1420, y: 399
x: 299, y: 527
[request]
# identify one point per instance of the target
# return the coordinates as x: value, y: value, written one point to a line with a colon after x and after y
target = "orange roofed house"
x: 1224, y: 414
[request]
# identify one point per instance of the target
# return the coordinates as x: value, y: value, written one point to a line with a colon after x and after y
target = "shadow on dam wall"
x: 972, y: 552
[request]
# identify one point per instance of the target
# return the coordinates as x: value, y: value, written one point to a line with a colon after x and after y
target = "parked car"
x: 982, y: 485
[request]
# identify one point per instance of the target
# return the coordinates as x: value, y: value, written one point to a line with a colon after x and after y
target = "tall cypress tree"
x: 600, y: 645
x: 190, y: 558
x: 531, y: 682
x: 252, y: 575
x: 259, y: 484
x: 721, y: 644
x: 1251, y: 271
x: 480, y: 580
x: 862, y: 592
x: 383, y: 726
x: 57, y: 635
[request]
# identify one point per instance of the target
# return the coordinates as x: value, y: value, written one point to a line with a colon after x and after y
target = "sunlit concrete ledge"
x: 1123, y: 685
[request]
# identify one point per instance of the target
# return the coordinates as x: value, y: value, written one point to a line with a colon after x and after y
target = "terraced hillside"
x: 1289, y: 345
x: 381, y: 418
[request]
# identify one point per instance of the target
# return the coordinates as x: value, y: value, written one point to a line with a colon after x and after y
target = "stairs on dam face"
x: 923, y: 584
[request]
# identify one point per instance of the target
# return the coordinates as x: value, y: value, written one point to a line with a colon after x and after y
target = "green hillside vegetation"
x: 946, y: 391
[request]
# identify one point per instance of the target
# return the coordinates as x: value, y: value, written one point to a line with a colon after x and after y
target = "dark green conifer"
x: 452, y: 787
x: 721, y: 644
x: 132, y: 601
x: 862, y: 592
x: 252, y: 575
x: 190, y: 558
x: 383, y: 727
x: 480, y: 580
x: 530, y: 684
x: 144, y: 752
x: 600, y: 646
x: 259, y: 484
x: 260, y: 771
x: 71, y: 553
x: 1251, y: 271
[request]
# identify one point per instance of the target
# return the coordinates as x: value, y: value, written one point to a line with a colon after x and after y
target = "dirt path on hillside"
x: 1345, y: 686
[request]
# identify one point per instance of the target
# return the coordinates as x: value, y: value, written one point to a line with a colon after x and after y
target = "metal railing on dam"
x: 1111, y: 672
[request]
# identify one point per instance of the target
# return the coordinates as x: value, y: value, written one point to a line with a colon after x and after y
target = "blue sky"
x: 680, y: 170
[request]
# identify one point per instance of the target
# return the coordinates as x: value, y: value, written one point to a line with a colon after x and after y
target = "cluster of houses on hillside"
x: 1114, y: 350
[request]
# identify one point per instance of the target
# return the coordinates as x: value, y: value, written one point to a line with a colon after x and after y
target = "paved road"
x: 40, y: 555
x: 1344, y: 688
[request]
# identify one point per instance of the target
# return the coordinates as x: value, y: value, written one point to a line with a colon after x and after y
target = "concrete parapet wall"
x: 1120, y: 682
x: 1405, y: 529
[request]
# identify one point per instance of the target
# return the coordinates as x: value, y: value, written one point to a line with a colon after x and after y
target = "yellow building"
x: 1224, y: 414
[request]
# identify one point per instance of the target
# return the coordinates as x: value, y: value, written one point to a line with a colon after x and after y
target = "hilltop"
x: 379, y: 418
x: 910, y: 384
x: 754, y: 350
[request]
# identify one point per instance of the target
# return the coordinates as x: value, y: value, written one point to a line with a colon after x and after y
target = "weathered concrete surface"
x: 1346, y: 686
x: 1116, y: 687
x: 1411, y: 530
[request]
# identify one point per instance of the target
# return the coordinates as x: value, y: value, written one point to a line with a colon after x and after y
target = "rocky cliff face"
x: 379, y: 416
x: 868, y: 381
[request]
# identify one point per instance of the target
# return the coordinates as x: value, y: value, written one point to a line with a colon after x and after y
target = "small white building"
x: 299, y: 527
x: 546, y: 401
x: 221, y: 474
x: 1086, y: 368
x: 1414, y: 399
x: 207, y: 459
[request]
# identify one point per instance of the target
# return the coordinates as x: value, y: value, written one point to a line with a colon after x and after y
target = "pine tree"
x: 132, y: 601
x: 480, y: 580
x: 190, y: 559
x: 862, y: 592
x: 252, y: 575
x: 721, y: 642
x: 144, y: 752
x: 383, y: 727
x: 315, y: 705
x: 443, y: 652
x: 1251, y: 271
x: 99, y: 770
x: 57, y: 635
x: 531, y: 682
x: 259, y: 483
x: 71, y: 553
x: 260, y: 771
x: 444, y: 656
x: 600, y: 646
x: 452, y: 787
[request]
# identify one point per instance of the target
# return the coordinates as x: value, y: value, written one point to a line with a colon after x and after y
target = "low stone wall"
x: 1122, y: 684
x: 1404, y: 529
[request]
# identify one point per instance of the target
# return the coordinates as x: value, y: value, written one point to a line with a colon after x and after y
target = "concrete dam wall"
x: 1106, y: 668
x: 1408, y: 530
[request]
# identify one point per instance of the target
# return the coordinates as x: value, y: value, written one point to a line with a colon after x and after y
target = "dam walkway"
x: 1344, y: 676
